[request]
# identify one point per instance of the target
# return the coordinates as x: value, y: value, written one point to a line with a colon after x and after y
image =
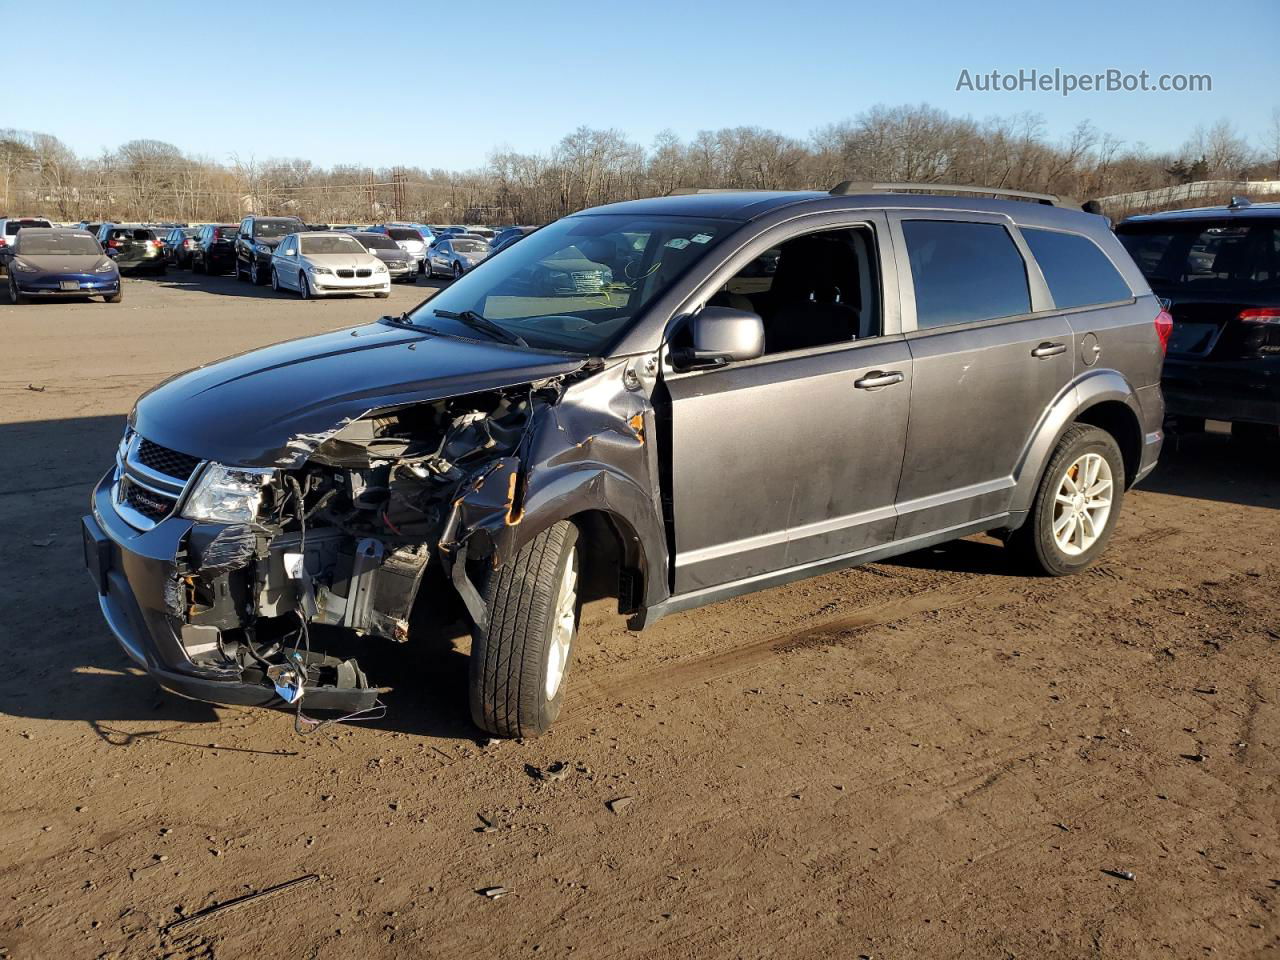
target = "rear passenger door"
x: 987, y: 365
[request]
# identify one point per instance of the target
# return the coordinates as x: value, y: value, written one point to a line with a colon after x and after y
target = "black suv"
x: 214, y: 250
x: 257, y: 241
x: 1219, y: 269
x: 670, y: 415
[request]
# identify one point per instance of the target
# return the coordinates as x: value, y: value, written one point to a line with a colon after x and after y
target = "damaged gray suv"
x: 764, y: 387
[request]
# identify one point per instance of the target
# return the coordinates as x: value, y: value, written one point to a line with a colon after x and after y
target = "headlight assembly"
x: 106, y: 266
x: 315, y: 268
x: 380, y: 267
x: 23, y: 267
x: 227, y: 494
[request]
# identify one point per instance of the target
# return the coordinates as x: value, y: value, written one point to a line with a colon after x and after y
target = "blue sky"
x: 445, y: 82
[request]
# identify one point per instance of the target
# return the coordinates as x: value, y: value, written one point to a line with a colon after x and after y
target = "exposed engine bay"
x: 347, y: 539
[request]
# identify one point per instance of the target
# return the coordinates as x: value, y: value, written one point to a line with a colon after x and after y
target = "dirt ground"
x: 929, y: 757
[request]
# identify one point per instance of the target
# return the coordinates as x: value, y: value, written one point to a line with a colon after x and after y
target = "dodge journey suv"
x: 767, y: 386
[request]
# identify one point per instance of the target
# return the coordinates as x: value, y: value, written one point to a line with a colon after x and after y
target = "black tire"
x: 509, y: 659
x: 239, y: 273
x: 304, y: 288
x: 1034, y: 541
x: 114, y: 297
x: 382, y: 294
x: 14, y: 296
x: 457, y: 271
x: 197, y: 267
x: 275, y: 280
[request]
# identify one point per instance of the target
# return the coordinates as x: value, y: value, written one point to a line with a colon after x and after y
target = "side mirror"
x: 721, y: 335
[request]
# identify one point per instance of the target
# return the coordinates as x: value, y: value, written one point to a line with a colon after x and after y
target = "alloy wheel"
x: 563, y: 627
x: 1082, y: 504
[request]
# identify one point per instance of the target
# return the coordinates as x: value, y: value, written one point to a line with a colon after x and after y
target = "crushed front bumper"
x: 133, y: 570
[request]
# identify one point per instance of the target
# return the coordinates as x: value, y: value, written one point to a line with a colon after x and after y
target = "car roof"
x: 60, y: 231
x: 1250, y: 211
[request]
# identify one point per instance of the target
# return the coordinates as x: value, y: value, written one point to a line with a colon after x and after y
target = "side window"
x: 964, y: 271
x: 1077, y: 272
x: 811, y: 291
x: 246, y: 227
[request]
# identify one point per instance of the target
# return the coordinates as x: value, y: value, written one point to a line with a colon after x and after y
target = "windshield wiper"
x: 477, y: 322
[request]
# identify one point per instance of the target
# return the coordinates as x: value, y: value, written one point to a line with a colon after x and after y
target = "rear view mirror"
x: 721, y: 335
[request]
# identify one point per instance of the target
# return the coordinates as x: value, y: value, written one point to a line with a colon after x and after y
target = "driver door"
x: 793, y: 458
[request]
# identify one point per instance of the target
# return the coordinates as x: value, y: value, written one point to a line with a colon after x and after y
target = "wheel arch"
x: 1103, y: 398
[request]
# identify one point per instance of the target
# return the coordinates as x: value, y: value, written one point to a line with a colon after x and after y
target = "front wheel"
x: 520, y: 661
x: 14, y: 296
x: 457, y: 271
x: 1076, y: 506
x: 114, y: 297
x: 304, y: 288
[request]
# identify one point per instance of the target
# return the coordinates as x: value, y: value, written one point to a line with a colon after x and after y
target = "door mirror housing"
x: 722, y: 335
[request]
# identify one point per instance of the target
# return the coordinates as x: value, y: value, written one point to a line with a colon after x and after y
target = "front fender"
x: 1089, y: 390
x: 590, y: 452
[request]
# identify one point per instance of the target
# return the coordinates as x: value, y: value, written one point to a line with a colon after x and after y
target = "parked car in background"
x: 512, y: 234
x: 90, y: 226
x: 322, y: 264
x: 256, y: 241
x: 178, y: 244
x: 9, y: 227
x: 454, y: 255
x: 1219, y: 269
x: 134, y: 248
x: 486, y: 232
x: 407, y: 238
x: 400, y: 263
x: 214, y: 250
x: 51, y: 262
x: 918, y: 369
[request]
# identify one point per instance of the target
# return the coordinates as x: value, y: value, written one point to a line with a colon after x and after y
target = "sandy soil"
x: 932, y: 757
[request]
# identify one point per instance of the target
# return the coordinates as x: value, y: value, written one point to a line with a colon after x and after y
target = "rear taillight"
x: 1264, y: 315
x: 1164, y: 328
x: 113, y: 243
x: 2, y: 243
x: 187, y: 243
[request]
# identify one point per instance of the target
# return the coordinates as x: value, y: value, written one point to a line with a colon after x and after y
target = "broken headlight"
x: 227, y: 494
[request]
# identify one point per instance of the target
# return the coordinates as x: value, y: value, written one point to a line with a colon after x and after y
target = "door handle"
x: 1049, y: 350
x: 879, y: 378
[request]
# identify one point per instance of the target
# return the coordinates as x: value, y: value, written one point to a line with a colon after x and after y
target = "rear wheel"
x: 1076, y: 505
x: 275, y: 280
x: 519, y: 662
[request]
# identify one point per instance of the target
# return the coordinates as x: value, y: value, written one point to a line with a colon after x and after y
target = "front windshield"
x: 578, y: 283
x: 57, y: 245
x: 274, y: 228
x: 337, y: 243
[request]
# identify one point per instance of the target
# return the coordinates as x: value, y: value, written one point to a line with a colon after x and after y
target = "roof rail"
x: 849, y: 187
x: 691, y: 191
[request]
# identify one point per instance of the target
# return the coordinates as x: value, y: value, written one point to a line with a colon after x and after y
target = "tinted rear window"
x: 376, y: 241
x: 13, y: 226
x: 1077, y: 272
x: 964, y: 272
x: 403, y: 233
x: 1205, y: 255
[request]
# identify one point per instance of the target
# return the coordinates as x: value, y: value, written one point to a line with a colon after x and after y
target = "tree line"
x: 150, y: 180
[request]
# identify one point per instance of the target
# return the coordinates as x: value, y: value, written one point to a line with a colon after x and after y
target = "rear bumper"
x: 133, y: 571
x: 1232, y: 390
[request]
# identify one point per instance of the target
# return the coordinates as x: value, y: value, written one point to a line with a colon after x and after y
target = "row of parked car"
x: 285, y: 251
